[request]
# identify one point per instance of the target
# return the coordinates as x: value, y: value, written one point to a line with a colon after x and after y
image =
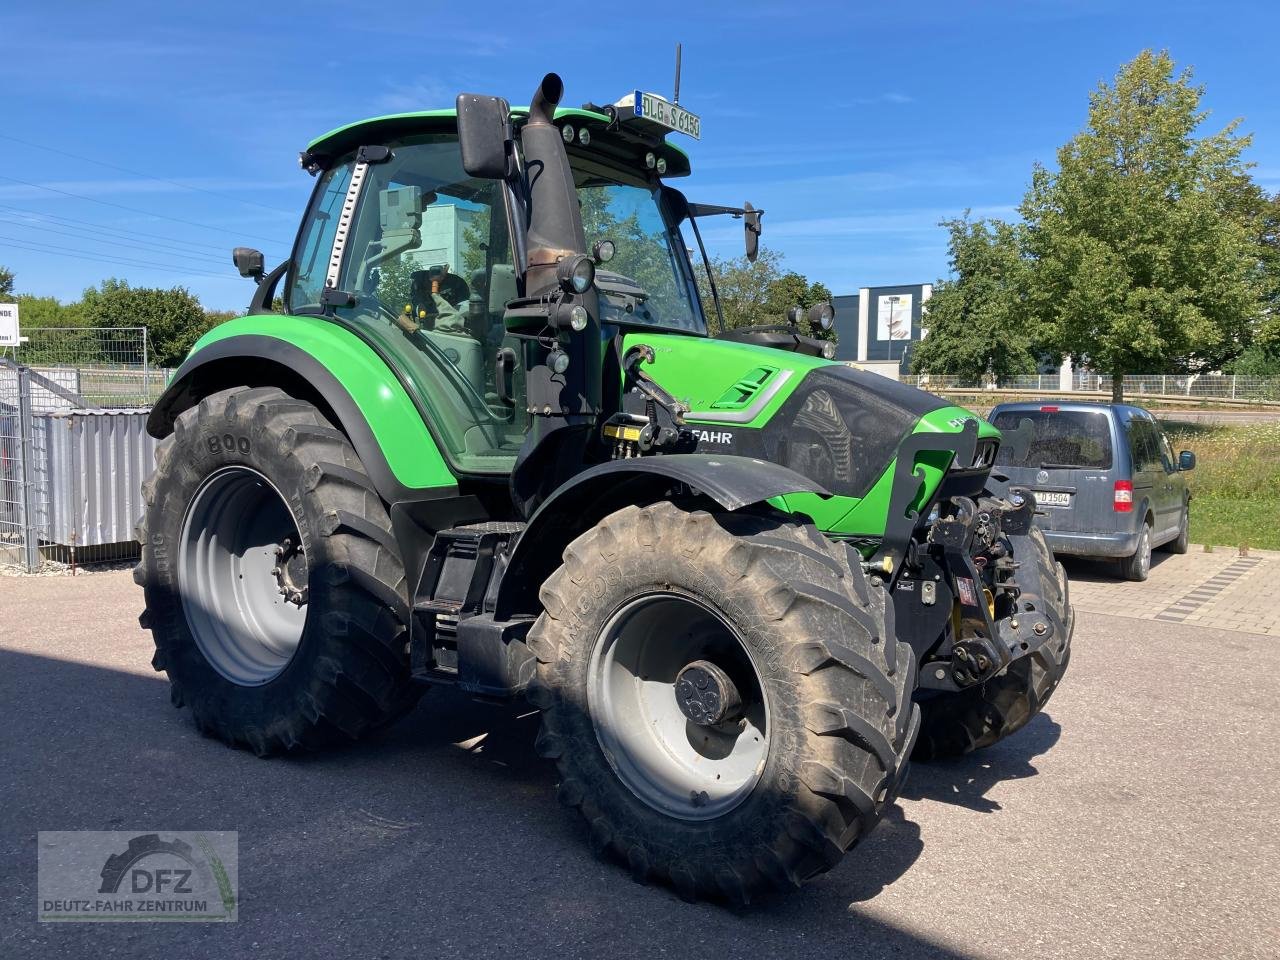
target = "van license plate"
x: 1046, y: 498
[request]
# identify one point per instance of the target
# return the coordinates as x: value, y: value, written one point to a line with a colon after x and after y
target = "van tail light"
x: 1124, y: 496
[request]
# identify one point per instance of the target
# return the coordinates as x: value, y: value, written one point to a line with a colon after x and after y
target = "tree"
x: 760, y: 293
x: 6, y: 283
x: 1140, y: 259
x: 977, y: 321
x: 174, y: 320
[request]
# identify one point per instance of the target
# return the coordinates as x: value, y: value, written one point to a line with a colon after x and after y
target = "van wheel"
x: 1138, y: 566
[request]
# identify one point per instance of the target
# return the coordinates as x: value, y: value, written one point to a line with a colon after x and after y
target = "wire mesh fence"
x: 1171, y: 386
x: 106, y: 366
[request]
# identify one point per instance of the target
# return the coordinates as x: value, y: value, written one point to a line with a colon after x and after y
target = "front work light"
x: 829, y: 350
x: 822, y: 315
x: 578, y: 318
x: 650, y: 160
x: 584, y: 136
x: 576, y: 273
x: 558, y: 361
x: 567, y: 132
x: 662, y: 165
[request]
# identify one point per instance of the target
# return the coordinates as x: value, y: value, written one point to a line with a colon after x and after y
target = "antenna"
x: 676, y: 98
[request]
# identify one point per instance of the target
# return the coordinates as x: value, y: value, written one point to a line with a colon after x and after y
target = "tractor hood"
x: 834, y: 424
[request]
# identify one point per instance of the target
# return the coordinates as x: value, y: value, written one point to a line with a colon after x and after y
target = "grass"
x: 1236, y: 483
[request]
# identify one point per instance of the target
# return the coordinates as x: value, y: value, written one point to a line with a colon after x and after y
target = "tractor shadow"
x: 965, y: 781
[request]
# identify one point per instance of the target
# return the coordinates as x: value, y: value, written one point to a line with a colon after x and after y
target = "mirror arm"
x: 266, y: 292
x: 711, y: 274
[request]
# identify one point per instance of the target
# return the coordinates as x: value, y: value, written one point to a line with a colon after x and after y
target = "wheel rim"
x: 1144, y: 551
x: 242, y: 576
x: 681, y: 768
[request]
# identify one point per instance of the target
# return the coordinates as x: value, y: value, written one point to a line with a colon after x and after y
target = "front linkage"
x: 979, y: 597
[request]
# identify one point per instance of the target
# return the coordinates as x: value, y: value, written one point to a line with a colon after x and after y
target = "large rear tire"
x: 953, y: 724
x: 718, y: 806
x: 274, y: 589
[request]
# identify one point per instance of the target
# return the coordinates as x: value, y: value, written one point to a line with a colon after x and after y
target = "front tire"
x: 274, y: 590
x: 810, y: 651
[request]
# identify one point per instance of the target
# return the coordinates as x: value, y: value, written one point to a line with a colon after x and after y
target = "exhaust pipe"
x: 555, y: 224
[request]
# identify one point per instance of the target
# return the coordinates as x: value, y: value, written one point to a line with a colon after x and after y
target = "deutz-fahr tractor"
x: 490, y: 441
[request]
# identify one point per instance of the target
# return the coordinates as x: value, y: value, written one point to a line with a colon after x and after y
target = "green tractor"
x: 489, y: 442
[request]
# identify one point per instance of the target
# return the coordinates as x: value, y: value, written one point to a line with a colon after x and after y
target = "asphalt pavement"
x: 1139, y: 817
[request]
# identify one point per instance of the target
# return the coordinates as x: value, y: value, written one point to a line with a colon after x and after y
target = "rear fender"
x: 730, y: 482
x: 316, y: 360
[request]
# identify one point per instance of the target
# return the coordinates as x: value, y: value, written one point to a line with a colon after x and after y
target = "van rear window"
x: 1062, y: 439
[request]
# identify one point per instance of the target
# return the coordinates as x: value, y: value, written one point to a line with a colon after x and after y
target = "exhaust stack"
x: 555, y: 226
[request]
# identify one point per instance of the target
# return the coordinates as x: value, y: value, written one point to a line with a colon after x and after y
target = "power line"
x: 147, y: 176
x: 103, y: 228
x: 145, y: 213
x: 16, y: 244
x: 205, y: 259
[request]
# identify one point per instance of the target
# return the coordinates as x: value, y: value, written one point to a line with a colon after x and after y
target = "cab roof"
x: 393, y: 126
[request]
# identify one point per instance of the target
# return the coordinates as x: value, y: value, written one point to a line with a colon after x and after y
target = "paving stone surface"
x: 1220, y: 589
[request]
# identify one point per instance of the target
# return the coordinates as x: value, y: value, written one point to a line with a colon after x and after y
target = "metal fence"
x: 106, y: 366
x: 70, y: 473
x: 1180, y: 386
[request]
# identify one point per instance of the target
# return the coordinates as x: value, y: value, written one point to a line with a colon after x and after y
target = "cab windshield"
x: 647, y: 283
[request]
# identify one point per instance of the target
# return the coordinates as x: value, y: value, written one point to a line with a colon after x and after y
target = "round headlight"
x: 662, y: 165
x: 822, y: 315
x: 576, y: 273
x: 584, y: 136
x: 829, y: 350
x: 650, y: 160
x: 604, y: 251
x: 558, y: 361
x: 567, y: 132
x: 578, y: 318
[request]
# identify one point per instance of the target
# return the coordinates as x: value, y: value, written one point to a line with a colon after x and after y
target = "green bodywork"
x: 411, y: 452
x: 703, y: 373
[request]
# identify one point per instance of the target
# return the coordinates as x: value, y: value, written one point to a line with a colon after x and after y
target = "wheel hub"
x: 706, y: 695
x: 290, y: 571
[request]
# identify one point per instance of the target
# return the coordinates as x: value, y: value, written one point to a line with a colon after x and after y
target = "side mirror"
x: 1186, y: 460
x: 751, y: 230
x: 484, y: 131
x: 249, y: 262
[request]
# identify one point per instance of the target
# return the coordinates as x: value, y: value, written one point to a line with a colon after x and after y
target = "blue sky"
x: 856, y: 126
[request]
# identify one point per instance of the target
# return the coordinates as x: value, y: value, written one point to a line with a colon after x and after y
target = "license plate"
x: 650, y: 106
x: 1046, y: 498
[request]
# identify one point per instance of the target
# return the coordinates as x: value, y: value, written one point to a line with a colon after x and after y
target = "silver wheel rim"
x: 677, y: 767
x: 1144, y: 550
x: 233, y: 583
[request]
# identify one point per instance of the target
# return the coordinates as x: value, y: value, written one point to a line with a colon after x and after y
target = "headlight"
x: 558, y: 361
x: 662, y: 165
x: 822, y: 315
x: 650, y: 160
x: 567, y: 132
x: 578, y: 318
x: 584, y: 136
x: 576, y: 273
x: 829, y: 350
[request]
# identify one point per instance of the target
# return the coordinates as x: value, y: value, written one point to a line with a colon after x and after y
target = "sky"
x: 145, y: 140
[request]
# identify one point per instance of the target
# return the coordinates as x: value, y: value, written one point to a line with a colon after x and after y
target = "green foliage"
x: 1256, y: 361
x: 760, y: 293
x: 6, y: 283
x: 174, y: 318
x: 1236, y: 482
x: 977, y: 322
x: 1141, y: 260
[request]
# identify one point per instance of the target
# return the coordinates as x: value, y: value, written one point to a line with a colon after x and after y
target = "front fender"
x: 317, y: 359
x: 732, y: 482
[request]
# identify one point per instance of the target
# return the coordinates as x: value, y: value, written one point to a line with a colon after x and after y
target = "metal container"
x: 92, y: 463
